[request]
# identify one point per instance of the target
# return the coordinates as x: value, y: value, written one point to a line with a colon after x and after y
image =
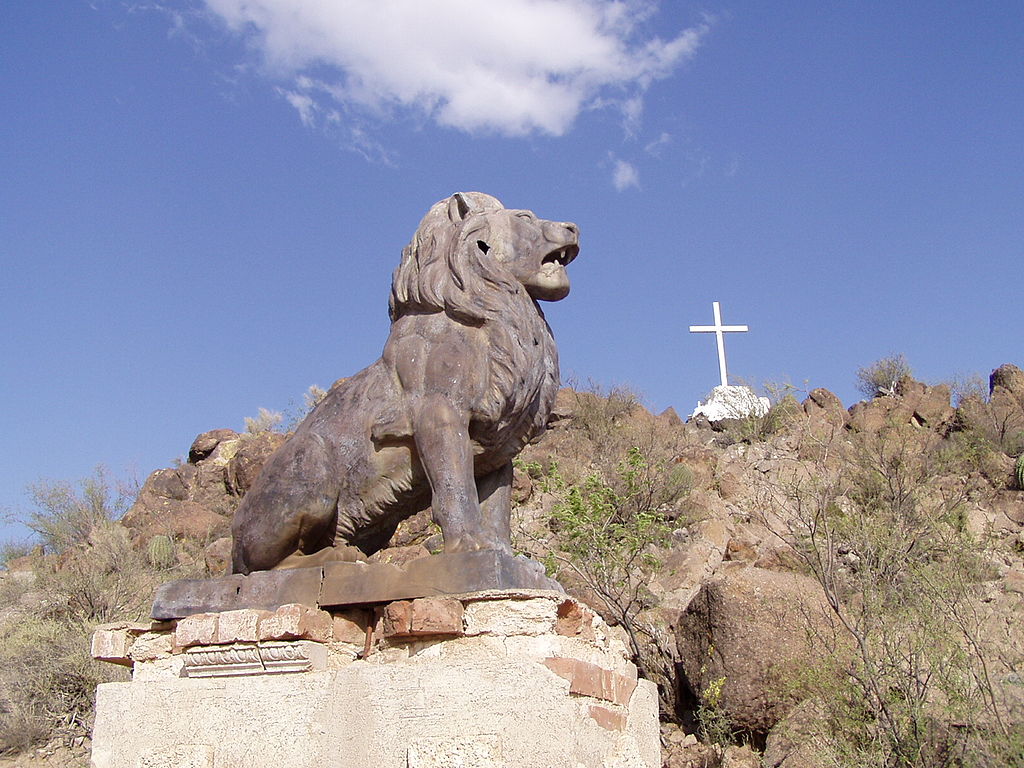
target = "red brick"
x: 396, y: 619
x: 350, y: 626
x: 436, y: 616
x: 607, y: 718
x: 622, y: 689
x: 586, y: 679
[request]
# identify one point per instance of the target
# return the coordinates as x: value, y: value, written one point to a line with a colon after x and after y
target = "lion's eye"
x: 484, y: 247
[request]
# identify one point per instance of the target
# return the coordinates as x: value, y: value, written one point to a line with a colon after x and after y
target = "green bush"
x: 607, y: 531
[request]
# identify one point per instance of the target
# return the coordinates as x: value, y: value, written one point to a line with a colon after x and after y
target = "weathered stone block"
x: 296, y: 621
x: 200, y: 629
x: 350, y: 626
x: 112, y: 644
x: 436, y: 616
x: 240, y: 626
x: 396, y: 619
x: 532, y: 616
x: 152, y: 645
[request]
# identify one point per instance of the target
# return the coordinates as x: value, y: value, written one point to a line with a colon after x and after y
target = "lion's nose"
x: 559, y: 228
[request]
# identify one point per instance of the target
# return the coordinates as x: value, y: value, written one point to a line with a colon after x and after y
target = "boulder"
x: 206, y: 443
x: 564, y: 407
x: 177, y: 519
x: 746, y: 631
x: 1010, y: 378
x: 217, y: 556
x: 929, y: 406
x: 872, y: 416
x: 252, y: 453
x: 823, y: 406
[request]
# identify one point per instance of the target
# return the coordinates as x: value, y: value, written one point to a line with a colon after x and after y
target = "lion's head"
x: 470, y: 254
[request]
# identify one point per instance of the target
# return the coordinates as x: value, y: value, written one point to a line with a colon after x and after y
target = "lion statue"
x: 468, y: 377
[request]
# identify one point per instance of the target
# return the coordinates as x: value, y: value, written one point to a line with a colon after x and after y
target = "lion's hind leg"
x: 495, y: 493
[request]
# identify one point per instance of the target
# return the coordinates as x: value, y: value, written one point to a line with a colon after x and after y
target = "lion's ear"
x: 458, y: 207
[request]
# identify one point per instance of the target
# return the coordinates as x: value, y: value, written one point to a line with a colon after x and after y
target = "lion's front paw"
x: 474, y: 543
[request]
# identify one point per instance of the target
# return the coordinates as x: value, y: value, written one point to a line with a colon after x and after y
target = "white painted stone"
x: 533, y: 616
x: 732, y: 402
x: 166, y: 668
x: 185, y: 756
x: 515, y: 712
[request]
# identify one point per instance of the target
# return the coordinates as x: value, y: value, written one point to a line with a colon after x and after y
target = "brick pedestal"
x: 481, y: 680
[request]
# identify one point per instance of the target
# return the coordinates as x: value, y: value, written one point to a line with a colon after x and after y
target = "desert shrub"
x: 264, y: 421
x: 963, y: 386
x: 879, y: 523
x: 999, y: 425
x: 161, y: 551
x: 65, y: 515
x: 106, y: 578
x: 47, y: 676
x: 881, y: 377
x: 47, y: 681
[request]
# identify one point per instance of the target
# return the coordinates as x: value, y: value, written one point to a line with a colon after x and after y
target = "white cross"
x: 719, y: 330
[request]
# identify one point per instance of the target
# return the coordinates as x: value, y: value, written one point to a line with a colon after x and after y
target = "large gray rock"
x: 745, y: 632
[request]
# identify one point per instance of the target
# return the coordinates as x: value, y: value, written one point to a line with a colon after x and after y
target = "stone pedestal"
x: 530, y: 679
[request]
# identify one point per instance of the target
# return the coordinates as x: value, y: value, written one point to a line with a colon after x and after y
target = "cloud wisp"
x: 625, y: 175
x: 513, y: 68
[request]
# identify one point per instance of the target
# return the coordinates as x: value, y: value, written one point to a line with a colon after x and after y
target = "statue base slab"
x: 344, y: 584
x: 525, y: 679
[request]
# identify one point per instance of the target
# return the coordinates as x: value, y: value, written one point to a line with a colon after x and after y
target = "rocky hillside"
x: 815, y: 586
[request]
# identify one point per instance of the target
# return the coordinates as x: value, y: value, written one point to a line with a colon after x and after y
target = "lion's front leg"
x: 441, y: 432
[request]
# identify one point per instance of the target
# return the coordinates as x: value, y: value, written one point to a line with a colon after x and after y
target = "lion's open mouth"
x: 562, y: 256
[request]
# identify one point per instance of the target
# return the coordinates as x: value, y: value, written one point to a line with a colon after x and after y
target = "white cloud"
x: 625, y: 175
x: 303, y: 104
x: 653, y: 148
x: 513, y: 67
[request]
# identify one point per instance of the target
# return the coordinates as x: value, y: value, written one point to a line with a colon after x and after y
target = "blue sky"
x: 202, y: 202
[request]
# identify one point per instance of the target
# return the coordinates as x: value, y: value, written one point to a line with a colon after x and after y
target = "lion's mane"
x: 443, y: 270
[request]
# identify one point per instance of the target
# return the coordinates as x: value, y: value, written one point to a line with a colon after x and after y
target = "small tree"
x: 607, y: 530
x: 881, y: 377
x: 65, y: 516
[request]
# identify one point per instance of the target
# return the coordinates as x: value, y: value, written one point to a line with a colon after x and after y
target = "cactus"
x: 1019, y: 468
x: 161, y: 552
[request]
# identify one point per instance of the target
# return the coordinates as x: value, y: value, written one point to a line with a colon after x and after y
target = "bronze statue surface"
x: 468, y: 376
